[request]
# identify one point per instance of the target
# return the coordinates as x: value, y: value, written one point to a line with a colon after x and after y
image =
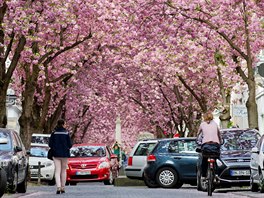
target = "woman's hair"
x: 208, y: 116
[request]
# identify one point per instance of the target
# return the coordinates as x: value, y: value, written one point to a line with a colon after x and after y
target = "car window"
x: 182, y: 146
x: 39, y: 151
x: 144, y: 149
x: 87, y: 151
x: 8, y: 146
x: 239, y: 140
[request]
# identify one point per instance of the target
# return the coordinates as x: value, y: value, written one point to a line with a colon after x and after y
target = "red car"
x: 92, y: 162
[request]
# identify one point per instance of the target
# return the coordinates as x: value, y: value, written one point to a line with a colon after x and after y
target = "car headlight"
x: 219, y: 163
x: 47, y: 164
x: 104, y: 165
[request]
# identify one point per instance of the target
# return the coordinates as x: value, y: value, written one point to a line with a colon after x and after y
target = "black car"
x: 171, y: 163
x: 233, y: 166
x: 13, y: 160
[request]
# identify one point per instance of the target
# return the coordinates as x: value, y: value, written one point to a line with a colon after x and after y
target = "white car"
x: 257, y: 167
x: 137, y: 159
x: 39, y: 163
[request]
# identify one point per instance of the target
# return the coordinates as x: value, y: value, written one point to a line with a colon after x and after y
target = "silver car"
x: 137, y: 159
x: 257, y: 167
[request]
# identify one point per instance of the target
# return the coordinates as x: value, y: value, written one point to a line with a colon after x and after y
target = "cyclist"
x: 211, y: 137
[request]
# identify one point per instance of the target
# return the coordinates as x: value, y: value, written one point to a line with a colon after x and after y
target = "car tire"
x: 3, y: 182
x: 12, y: 187
x: 109, y: 181
x: 201, y: 185
x: 53, y: 182
x: 253, y: 186
x: 167, y: 177
x: 261, y: 182
x: 150, y: 183
x: 22, y: 187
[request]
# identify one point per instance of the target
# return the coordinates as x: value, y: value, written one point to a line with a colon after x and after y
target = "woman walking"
x: 60, y: 144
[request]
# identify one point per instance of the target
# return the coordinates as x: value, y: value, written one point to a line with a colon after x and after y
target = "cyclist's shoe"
x: 203, y: 179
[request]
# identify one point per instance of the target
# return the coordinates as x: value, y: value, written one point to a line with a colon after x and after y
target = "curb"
x: 124, y: 181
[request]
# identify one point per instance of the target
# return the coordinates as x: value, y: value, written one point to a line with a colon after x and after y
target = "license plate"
x: 239, y: 172
x: 33, y: 172
x: 83, y: 173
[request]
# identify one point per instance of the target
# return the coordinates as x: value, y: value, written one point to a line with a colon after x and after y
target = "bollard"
x: 39, y: 175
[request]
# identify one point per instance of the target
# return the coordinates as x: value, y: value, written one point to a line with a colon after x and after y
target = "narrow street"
x: 98, y: 190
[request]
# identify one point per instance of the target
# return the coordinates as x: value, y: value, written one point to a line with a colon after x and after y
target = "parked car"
x: 38, y: 161
x: 3, y: 180
x: 233, y: 166
x: 39, y: 138
x: 14, y: 160
x: 137, y: 159
x: 257, y: 166
x: 172, y: 163
x: 92, y: 162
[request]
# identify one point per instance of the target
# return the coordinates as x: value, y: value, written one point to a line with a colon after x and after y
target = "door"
x: 184, y: 157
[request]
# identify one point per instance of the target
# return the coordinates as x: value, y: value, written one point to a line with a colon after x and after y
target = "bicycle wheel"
x: 210, y: 180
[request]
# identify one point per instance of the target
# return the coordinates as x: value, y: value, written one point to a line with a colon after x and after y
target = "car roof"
x: 238, y: 129
x: 177, y: 139
x: 148, y: 140
x: 41, y: 134
x: 90, y: 144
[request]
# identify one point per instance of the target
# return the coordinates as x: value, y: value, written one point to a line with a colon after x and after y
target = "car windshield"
x: 239, y: 140
x: 38, y: 151
x: 87, y: 151
x: 5, y: 146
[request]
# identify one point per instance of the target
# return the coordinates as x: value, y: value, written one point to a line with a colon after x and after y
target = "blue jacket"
x: 60, y: 143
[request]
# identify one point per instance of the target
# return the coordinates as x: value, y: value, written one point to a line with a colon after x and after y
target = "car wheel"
x: 3, y: 182
x: 22, y: 187
x: 253, y: 186
x: 261, y: 182
x: 201, y: 185
x: 53, y: 182
x: 167, y: 177
x: 110, y: 181
x: 12, y: 187
x: 150, y: 183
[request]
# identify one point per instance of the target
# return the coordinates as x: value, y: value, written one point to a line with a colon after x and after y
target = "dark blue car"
x: 171, y: 163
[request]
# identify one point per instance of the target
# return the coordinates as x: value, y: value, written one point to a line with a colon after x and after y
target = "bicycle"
x: 211, y: 174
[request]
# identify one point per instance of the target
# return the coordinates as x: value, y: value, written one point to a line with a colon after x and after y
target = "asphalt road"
x: 99, y: 190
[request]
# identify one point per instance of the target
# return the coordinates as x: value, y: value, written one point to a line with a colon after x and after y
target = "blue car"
x: 172, y: 163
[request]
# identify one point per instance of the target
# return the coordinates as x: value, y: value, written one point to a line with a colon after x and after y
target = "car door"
x: 19, y: 151
x: 184, y: 157
x: 256, y: 158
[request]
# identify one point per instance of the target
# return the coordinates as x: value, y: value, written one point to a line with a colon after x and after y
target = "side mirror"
x: 18, y: 149
x: 255, y: 150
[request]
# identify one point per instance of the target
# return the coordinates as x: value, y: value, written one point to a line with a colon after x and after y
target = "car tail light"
x: 151, y: 158
x: 129, y: 162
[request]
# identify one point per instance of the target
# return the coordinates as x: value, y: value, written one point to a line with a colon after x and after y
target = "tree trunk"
x: 252, y: 105
x: 3, y: 116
